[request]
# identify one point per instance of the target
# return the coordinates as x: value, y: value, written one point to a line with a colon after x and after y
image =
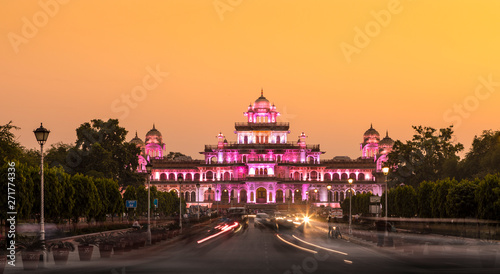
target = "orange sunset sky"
x: 331, y: 67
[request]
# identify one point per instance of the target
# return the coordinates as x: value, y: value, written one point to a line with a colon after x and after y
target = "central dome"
x: 262, y: 102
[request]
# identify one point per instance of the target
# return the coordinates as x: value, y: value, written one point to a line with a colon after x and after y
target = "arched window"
x: 352, y: 176
x: 189, y: 177
x: 314, y: 175
x: 336, y: 177
x: 279, y: 196
x: 344, y: 176
x: 163, y: 176
x: 328, y: 177
x: 171, y: 177
x: 278, y: 139
x: 193, y: 196
x: 361, y: 177
x: 197, y: 176
x: 210, y: 176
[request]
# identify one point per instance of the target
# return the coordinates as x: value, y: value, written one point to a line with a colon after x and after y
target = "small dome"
x: 371, y: 132
x: 136, y: 140
x: 387, y: 141
x: 262, y: 102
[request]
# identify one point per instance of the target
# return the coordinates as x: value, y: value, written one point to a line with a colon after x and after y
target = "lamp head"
x: 41, y: 134
x: 329, y: 187
x: 198, y: 185
x: 149, y: 167
x: 385, y: 170
x: 350, y: 180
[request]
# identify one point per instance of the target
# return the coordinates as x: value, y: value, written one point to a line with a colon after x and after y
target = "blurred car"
x: 262, y: 219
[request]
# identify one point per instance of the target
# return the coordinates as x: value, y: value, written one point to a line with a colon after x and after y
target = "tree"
x: 460, y: 201
x: 10, y: 149
x: 424, y: 194
x: 488, y: 197
x: 439, y: 196
x: 483, y: 157
x: 86, y: 198
x: 429, y: 156
x: 101, y: 148
x: 405, y: 200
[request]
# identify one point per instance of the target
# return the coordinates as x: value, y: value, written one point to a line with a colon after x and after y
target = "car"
x: 262, y: 219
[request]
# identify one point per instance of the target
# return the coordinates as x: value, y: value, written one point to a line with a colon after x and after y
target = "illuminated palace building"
x: 263, y: 167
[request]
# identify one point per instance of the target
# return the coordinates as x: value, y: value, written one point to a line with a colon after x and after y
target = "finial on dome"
x: 154, y: 126
x: 386, y: 133
x: 261, y: 92
x: 136, y: 134
x: 371, y: 125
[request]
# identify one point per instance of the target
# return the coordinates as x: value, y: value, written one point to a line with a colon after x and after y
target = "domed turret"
x: 153, y: 136
x: 371, y: 135
x: 137, y: 141
x: 387, y: 141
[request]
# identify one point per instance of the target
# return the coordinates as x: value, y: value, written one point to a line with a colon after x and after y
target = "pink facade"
x: 263, y: 167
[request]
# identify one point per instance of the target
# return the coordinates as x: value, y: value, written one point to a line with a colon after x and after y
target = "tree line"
x: 429, y: 180
x: 82, y: 180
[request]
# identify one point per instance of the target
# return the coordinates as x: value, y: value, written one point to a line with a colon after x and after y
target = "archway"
x: 209, y: 195
x: 243, y: 196
x: 261, y: 195
x: 225, y: 196
x: 279, y: 196
x: 298, y: 196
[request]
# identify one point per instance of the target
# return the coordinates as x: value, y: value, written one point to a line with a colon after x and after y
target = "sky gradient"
x: 192, y: 67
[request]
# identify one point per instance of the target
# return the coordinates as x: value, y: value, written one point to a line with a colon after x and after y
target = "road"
x: 260, y: 250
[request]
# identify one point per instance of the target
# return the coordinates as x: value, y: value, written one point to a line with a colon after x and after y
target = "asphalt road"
x: 260, y: 250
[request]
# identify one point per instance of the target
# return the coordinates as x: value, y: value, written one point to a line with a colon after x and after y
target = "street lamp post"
x: 149, y: 167
x: 385, y: 170
x: 350, y: 204
x: 180, y: 179
x: 329, y: 188
x: 217, y: 202
x: 41, y: 135
x: 198, y: 199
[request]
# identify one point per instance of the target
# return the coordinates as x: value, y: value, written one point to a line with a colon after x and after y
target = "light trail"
x: 324, y: 248
x: 224, y: 228
x: 294, y: 245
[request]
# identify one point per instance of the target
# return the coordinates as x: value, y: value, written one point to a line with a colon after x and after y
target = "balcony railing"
x: 277, y: 124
